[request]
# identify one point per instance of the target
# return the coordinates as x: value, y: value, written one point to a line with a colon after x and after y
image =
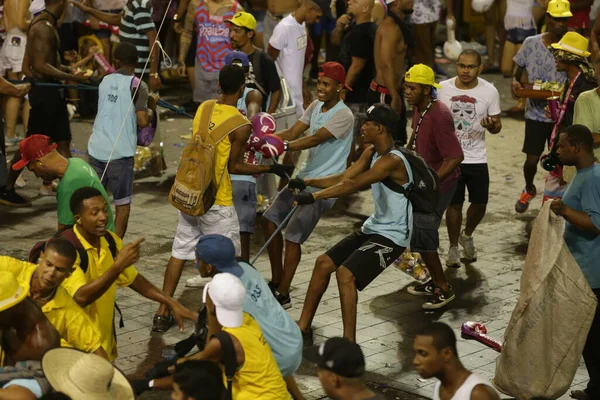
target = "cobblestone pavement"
x: 389, y: 317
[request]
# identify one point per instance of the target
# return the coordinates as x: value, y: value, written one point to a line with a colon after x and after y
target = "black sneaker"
x: 12, y: 199
x: 439, y: 298
x: 273, y: 286
x: 284, y: 300
x: 424, y: 289
x: 307, y: 338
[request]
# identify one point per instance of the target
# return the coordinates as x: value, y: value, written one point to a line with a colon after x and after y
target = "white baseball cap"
x: 227, y: 293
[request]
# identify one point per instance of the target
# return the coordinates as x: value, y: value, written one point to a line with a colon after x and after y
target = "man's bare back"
x: 26, y: 334
x: 43, y: 44
x: 389, y: 34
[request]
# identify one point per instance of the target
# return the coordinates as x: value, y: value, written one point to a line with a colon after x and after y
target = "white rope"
x: 156, y: 41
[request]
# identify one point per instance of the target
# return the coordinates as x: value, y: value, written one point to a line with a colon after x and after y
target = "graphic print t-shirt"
x: 468, y: 108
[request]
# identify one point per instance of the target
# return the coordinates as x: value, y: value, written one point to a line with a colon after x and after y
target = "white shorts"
x: 13, y: 52
x: 220, y: 220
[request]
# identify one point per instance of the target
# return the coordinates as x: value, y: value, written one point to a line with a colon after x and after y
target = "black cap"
x: 338, y: 355
x: 382, y: 114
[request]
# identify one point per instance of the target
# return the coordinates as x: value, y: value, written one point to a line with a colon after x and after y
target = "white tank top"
x: 463, y: 392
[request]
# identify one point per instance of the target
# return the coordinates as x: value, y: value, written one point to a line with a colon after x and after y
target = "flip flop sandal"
x: 160, y: 323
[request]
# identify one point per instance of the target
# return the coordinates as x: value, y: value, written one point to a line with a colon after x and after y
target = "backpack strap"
x: 70, y: 235
x: 112, y: 247
x: 207, y: 110
x: 228, y: 359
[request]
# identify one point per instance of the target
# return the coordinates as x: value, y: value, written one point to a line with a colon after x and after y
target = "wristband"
x: 286, y: 144
x: 151, y: 384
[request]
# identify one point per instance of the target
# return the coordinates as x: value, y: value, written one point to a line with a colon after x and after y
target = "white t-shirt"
x: 464, y: 391
x: 468, y: 108
x: 289, y: 37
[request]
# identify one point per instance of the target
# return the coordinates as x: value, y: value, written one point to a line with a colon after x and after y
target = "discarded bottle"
x: 103, y: 64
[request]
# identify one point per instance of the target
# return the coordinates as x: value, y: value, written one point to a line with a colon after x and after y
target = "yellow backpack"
x: 195, y: 189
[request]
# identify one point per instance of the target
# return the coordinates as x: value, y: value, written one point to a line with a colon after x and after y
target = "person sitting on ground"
x: 112, y: 145
x: 341, y: 369
x: 42, y: 158
x: 257, y: 376
x: 81, y: 375
x: 43, y: 284
x: 198, y: 380
x: 109, y: 265
x: 436, y: 356
x: 25, y: 333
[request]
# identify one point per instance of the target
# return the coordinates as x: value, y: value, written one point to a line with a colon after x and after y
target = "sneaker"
x: 12, y: 141
x: 523, y: 204
x: 307, y: 338
x: 197, y: 281
x: 284, y: 300
x: 21, y: 182
x: 439, y: 298
x: 423, y: 289
x: 48, y: 190
x: 160, y: 323
x: 469, y: 249
x: 273, y: 286
x: 453, y: 257
x: 12, y: 199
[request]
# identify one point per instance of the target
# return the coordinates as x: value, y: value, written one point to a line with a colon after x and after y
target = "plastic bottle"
x: 103, y: 64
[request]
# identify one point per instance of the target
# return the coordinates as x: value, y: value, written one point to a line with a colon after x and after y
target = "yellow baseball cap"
x: 573, y: 43
x: 421, y: 73
x: 11, y: 293
x: 244, y: 20
x: 559, y: 9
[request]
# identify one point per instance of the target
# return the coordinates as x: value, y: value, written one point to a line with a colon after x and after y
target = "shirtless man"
x: 48, y: 115
x: 25, y: 333
x: 391, y: 43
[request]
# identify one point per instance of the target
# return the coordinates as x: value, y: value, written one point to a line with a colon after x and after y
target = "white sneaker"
x: 21, y: 182
x: 468, y: 245
x: 453, y: 257
x: 197, y: 281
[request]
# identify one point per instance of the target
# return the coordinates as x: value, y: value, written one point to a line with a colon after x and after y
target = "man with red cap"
x: 329, y: 123
x: 42, y: 158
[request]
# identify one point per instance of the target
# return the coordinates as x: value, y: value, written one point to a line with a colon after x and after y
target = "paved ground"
x: 487, y: 290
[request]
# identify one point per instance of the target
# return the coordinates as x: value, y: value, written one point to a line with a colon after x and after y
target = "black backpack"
x: 424, y: 192
x: 228, y: 359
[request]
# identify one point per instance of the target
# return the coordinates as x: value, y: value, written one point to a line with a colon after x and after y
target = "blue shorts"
x: 302, y: 223
x: 518, y: 35
x: 118, y: 178
x: 244, y: 200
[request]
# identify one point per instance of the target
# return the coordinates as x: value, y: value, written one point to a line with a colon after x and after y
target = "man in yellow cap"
x: 434, y: 139
x: 26, y: 334
x: 535, y: 62
x: 571, y: 57
x: 263, y: 72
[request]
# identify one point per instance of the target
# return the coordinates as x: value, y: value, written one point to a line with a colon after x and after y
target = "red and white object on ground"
x: 271, y: 146
x: 476, y: 331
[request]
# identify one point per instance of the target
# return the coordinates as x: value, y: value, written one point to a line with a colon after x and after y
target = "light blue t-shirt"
x: 331, y: 156
x: 535, y: 57
x: 279, y: 330
x: 114, y: 107
x: 392, y: 217
x: 243, y: 108
x: 31, y: 384
x: 583, y: 194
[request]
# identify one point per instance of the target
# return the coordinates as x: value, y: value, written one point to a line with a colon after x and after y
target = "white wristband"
x: 151, y: 383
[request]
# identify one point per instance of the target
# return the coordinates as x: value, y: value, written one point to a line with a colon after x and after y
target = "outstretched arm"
x: 355, y: 169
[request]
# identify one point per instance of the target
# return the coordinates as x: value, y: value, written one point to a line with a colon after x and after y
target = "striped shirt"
x: 136, y: 22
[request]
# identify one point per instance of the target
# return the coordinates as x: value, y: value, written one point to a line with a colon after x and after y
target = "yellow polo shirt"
x: 72, y: 323
x: 101, y: 311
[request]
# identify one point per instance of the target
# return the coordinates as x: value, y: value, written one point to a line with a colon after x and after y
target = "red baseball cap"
x: 335, y: 71
x: 33, y: 148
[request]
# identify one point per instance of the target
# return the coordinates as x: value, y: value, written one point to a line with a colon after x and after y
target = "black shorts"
x: 366, y: 256
x: 190, y: 57
x: 537, y: 136
x: 475, y: 178
x: 49, y: 115
x: 374, y: 97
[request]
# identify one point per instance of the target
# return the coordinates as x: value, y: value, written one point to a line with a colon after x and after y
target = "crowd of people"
x: 376, y: 73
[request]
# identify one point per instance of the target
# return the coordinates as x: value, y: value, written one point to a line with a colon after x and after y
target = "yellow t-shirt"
x: 102, y: 311
x: 259, y: 377
x: 72, y: 323
x: 221, y: 112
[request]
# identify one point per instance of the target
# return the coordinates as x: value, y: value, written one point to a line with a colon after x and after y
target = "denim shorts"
x: 425, y: 235
x: 244, y: 200
x: 118, y: 178
x: 518, y: 35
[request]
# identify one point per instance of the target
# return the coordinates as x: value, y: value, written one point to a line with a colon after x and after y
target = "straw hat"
x: 574, y: 43
x: 84, y: 376
x: 11, y: 293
